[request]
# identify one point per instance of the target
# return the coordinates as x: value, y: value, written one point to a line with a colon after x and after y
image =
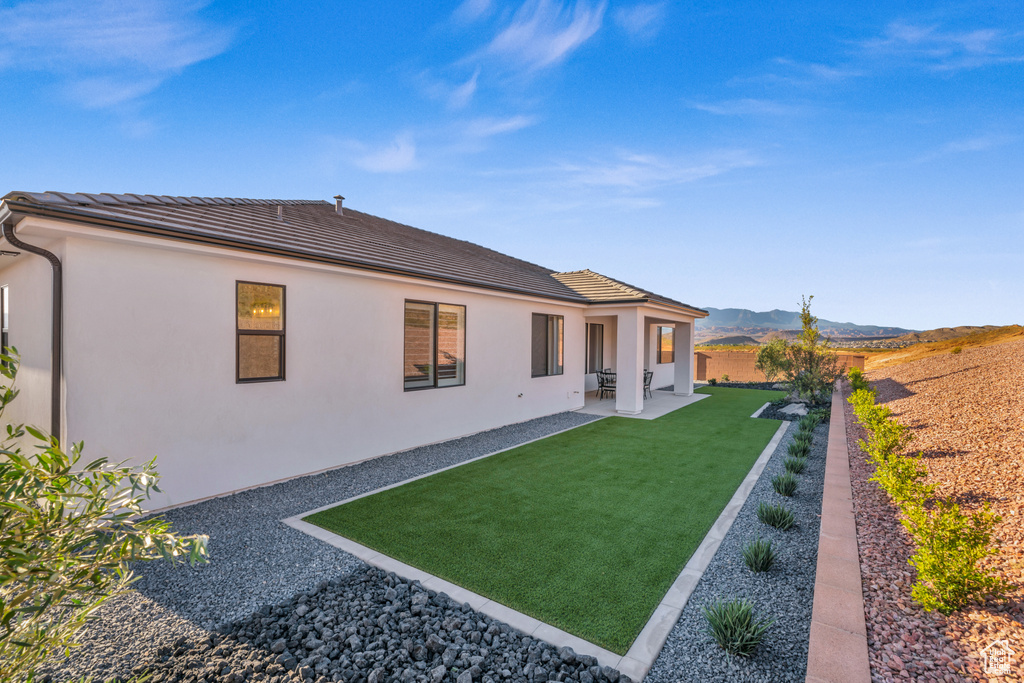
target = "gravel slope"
x: 966, y: 411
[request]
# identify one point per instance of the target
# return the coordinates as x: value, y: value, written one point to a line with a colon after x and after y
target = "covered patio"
x: 642, y: 337
x: 631, y: 331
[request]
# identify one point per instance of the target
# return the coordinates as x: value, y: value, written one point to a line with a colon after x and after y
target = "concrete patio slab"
x: 662, y: 403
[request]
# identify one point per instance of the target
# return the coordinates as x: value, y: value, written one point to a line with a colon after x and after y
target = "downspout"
x: 57, y: 309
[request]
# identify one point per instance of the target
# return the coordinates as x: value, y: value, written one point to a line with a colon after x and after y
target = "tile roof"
x: 599, y: 288
x: 313, y: 229
x: 310, y: 229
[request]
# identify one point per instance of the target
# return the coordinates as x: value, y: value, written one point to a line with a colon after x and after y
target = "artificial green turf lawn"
x: 585, y: 530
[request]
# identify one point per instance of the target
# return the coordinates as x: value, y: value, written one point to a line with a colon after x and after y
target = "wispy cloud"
x: 542, y: 33
x: 488, y: 127
x: 111, y: 51
x: 805, y: 74
x: 395, y: 157
x: 980, y: 143
x: 629, y: 170
x: 461, y: 95
x: 641, y: 21
x: 947, y: 50
x: 747, y: 107
x: 471, y: 10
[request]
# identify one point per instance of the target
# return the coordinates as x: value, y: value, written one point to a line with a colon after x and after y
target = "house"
x: 246, y: 341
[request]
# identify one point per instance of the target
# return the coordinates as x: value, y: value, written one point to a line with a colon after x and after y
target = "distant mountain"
x: 734, y: 340
x: 723, y: 322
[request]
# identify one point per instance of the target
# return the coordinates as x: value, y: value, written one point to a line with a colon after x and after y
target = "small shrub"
x: 795, y: 465
x: 821, y: 414
x: 734, y: 627
x: 799, y: 449
x: 804, y: 438
x: 956, y: 350
x: 725, y: 378
x: 759, y: 555
x: 949, y: 546
x: 901, y: 476
x: 712, y: 381
x: 784, y: 484
x: 808, y: 422
x: 776, y: 516
x: 857, y: 380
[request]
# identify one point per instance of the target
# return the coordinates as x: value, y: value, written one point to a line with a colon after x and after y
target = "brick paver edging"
x: 839, y: 643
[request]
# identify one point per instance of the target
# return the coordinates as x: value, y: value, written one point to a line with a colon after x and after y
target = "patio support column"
x: 629, y: 362
x: 684, y: 359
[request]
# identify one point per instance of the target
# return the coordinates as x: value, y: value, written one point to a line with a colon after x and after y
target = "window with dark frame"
x: 435, y: 345
x: 595, y: 347
x: 666, y: 344
x: 546, y: 345
x: 259, y: 332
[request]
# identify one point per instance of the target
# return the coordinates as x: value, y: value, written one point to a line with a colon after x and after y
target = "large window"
x: 595, y: 347
x: 435, y: 345
x: 259, y: 332
x: 666, y: 345
x: 547, y: 344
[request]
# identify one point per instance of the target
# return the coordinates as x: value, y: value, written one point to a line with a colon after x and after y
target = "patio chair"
x: 605, y: 383
x: 648, y: 376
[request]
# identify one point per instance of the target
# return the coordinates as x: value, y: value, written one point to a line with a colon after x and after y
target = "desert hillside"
x: 988, y: 337
x: 944, y: 333
x: 966, y: 411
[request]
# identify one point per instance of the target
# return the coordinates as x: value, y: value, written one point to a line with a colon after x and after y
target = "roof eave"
x: 21, y: 210
x: 688, y: 310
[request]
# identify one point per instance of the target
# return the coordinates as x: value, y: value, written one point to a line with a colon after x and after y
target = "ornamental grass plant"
x: 734, y: 626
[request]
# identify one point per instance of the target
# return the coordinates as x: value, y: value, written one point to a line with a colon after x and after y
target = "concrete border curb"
x: 838, y: 650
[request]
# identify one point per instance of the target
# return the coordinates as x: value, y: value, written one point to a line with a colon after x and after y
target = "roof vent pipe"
x: 280, y: 212
x: 338, y: 199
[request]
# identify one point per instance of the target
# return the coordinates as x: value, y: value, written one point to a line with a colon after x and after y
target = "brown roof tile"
x: 599, y: 288
x: 312, y: 229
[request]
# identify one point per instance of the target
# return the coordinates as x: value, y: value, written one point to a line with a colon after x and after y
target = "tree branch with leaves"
x: 68, y: 535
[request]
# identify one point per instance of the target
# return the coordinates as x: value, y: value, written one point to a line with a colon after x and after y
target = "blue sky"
x: 732, y: 154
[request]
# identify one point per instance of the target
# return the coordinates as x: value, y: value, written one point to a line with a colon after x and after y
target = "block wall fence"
x: 739, y: 365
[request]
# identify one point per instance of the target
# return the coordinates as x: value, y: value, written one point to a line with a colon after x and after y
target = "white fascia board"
x: 655, y: 311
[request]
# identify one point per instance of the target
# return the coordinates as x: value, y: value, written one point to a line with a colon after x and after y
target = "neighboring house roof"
x: 314, y: 230
x: 600, y: 289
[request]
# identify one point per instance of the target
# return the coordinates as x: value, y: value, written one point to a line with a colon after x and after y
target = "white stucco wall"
x: 150, y: 365
x: 610, y: 329
x: 28, y: 278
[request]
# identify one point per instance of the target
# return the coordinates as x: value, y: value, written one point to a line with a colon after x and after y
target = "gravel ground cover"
x: 785, y: 593
x: 277, y: 606
x: 255, y: 559
x: 966, y: 411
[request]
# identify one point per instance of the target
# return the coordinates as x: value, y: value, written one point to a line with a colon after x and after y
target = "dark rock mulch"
x: 774, y: 411
x: 371, y: 627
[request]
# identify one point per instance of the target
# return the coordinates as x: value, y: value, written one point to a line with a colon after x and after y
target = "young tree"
x: 772, y: 359
x: 813, y: 366
x: 68, y: 532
